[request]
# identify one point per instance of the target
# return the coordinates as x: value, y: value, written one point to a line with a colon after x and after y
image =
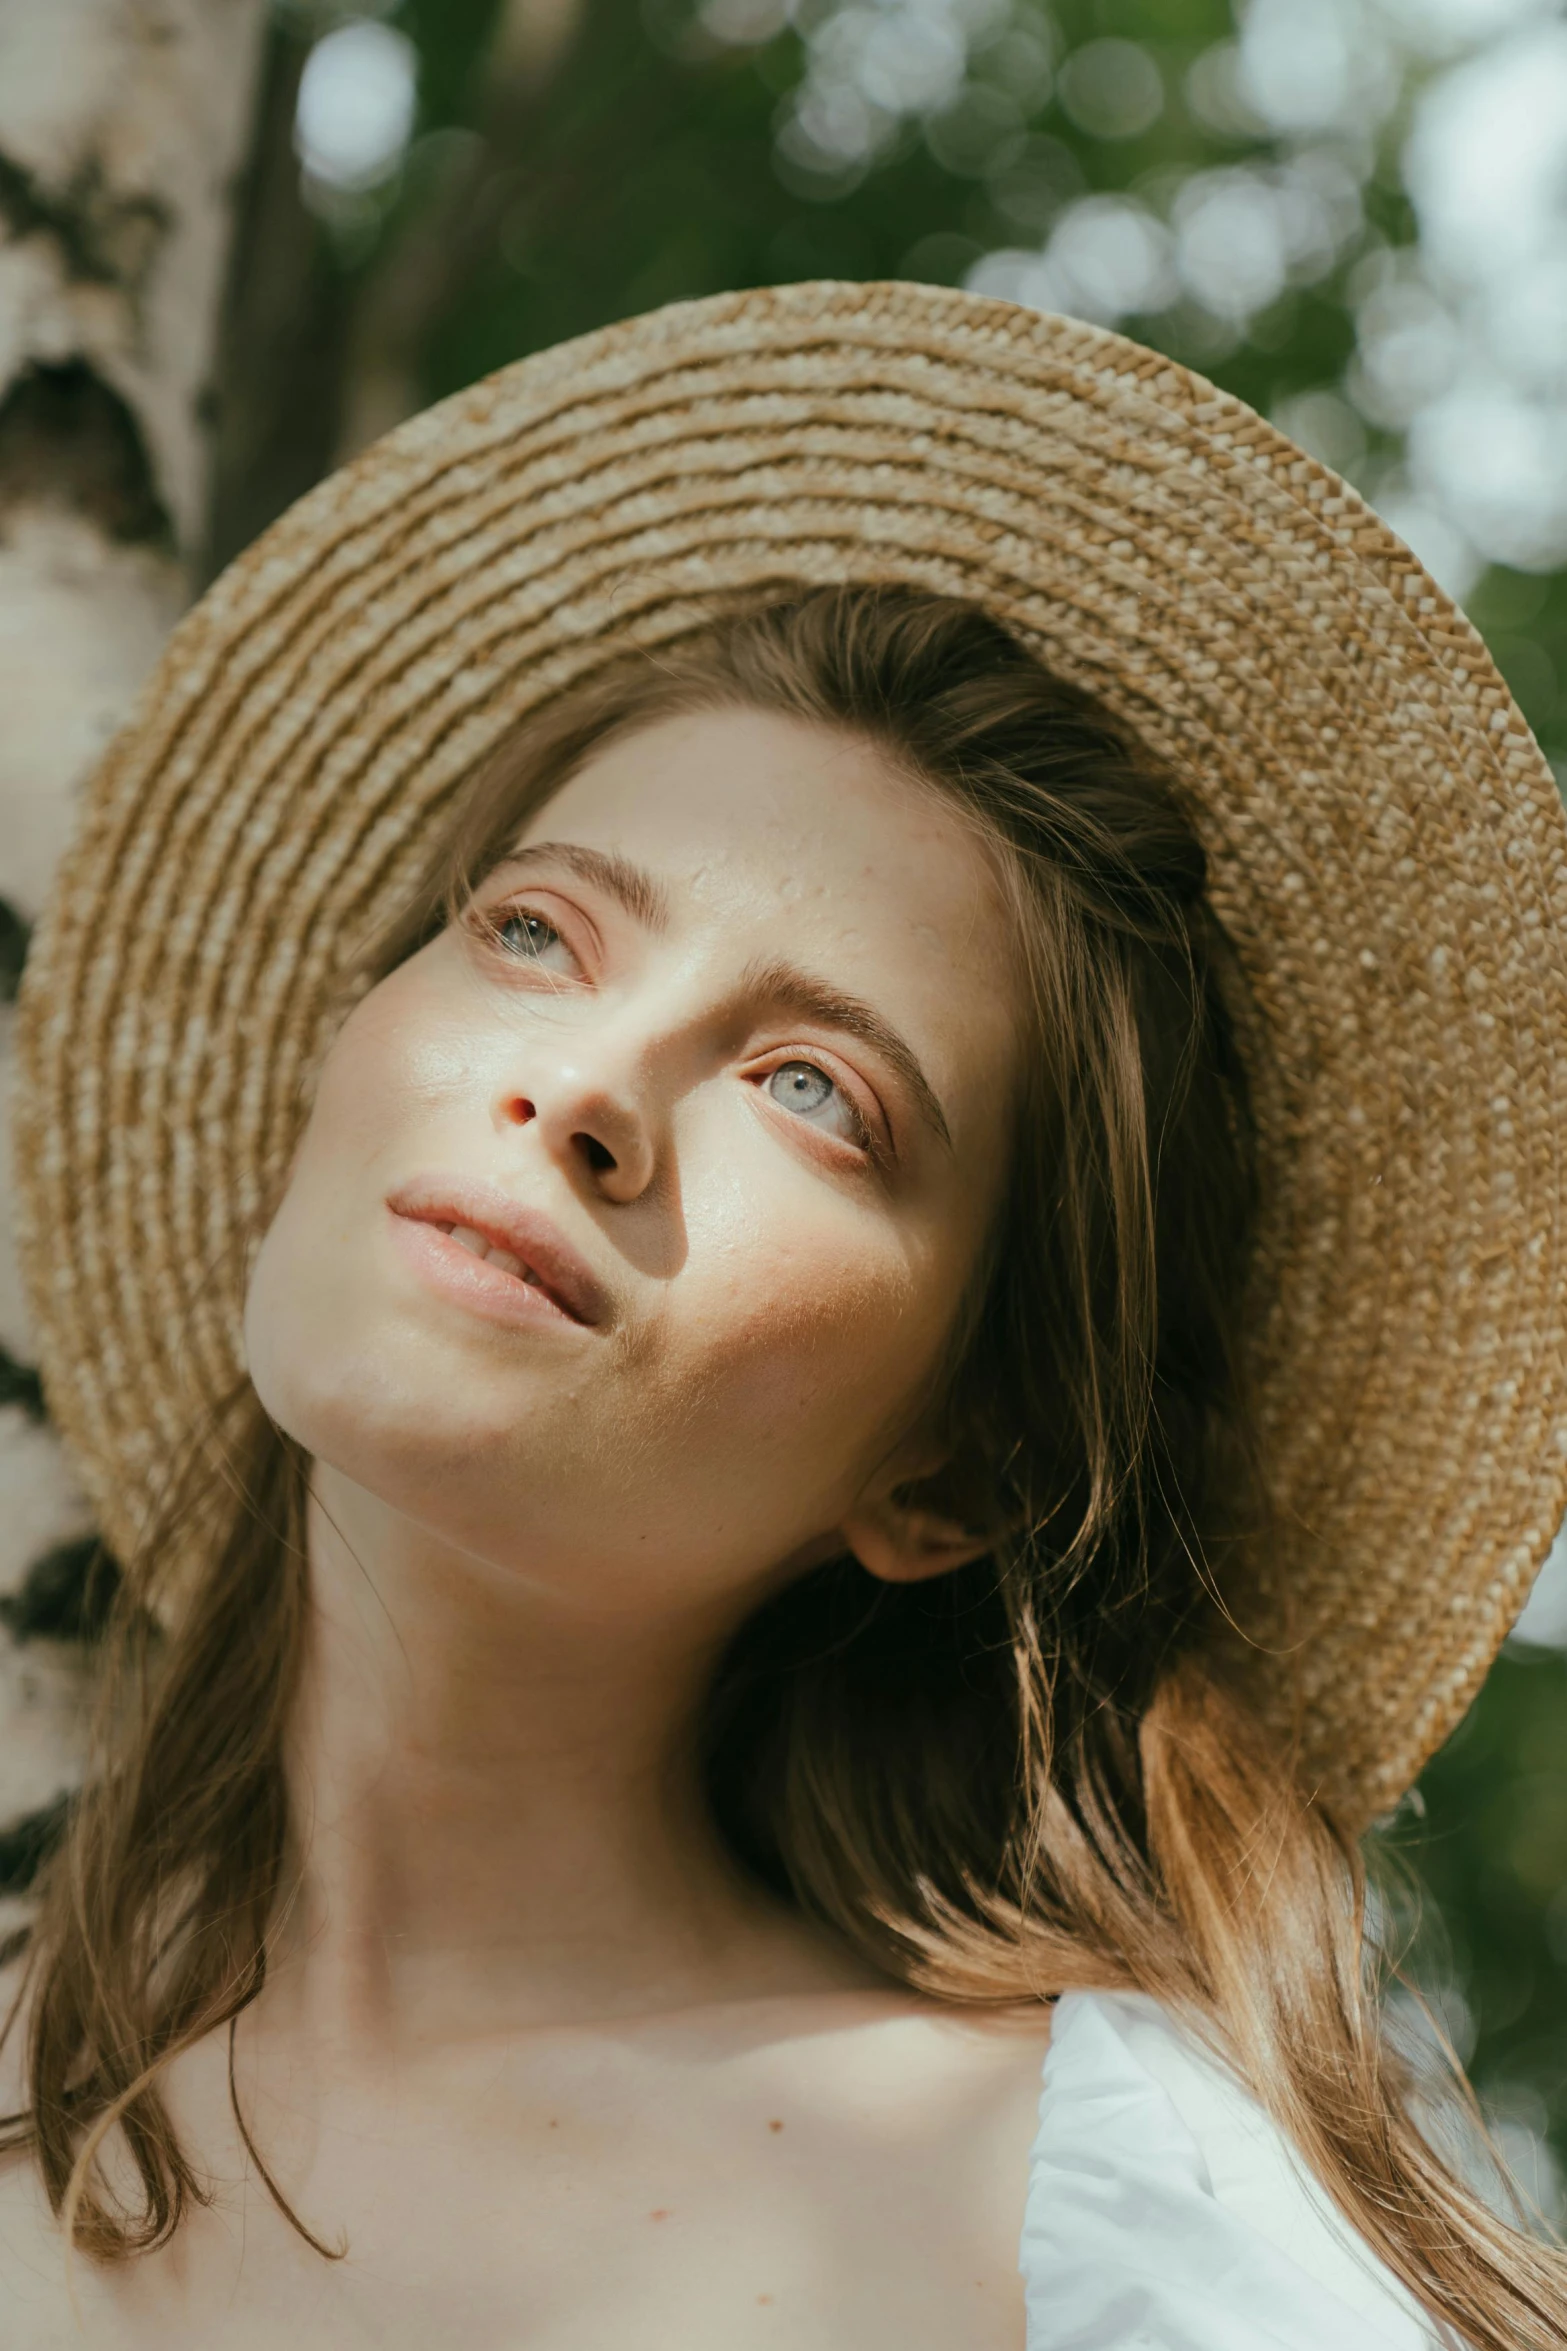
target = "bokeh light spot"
x: 358, y: 96
x: 1112, y: 89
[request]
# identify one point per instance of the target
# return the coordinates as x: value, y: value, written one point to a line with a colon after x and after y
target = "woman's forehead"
x: 709, y: 804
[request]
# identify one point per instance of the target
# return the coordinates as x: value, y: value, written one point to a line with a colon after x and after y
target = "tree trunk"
x: 123, y: 125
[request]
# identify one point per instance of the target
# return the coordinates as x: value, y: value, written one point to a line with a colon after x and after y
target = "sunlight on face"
x: 633, y: 1216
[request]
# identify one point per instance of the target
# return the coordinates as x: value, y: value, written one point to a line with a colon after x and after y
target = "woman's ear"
x: 901, y: 1541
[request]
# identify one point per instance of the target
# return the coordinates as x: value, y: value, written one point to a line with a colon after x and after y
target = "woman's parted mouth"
x: 520, y: 1244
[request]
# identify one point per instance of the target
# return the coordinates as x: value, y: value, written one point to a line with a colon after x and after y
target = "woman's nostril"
x: 598, y: 1157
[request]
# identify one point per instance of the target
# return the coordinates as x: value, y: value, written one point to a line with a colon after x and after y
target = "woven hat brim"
x: 1386, y: 843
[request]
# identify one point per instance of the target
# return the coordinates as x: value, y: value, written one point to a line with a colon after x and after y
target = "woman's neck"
x: 498, y: 1806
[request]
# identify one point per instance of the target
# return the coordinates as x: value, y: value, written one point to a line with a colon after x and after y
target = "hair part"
x: 1040, y: 1771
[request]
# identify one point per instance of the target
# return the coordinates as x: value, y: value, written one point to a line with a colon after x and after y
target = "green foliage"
x: 1523, y: 618
x: 1492, y: 1850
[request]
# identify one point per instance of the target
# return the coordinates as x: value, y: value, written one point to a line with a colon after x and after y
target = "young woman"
x: 759, y: 1091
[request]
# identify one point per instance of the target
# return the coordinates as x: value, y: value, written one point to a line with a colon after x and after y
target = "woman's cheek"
x: 809, y: 1355
x: 314, y: 1299
x: 807, y: 1295
x: 404, y: 1052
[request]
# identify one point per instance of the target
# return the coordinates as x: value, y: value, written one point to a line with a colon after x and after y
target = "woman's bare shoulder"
x: 961, y: 2084
x: 35, y: 2285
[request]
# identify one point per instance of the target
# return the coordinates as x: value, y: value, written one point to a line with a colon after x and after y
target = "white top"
x: 1166, y: 2212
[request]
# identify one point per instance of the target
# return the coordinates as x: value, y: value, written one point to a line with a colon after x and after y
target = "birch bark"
x: 123, y: 126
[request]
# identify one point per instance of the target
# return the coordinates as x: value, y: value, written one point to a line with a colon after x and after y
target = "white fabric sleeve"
x: 1167, y: 2213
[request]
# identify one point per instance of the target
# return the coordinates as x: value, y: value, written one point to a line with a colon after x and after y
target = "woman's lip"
x: 562, y: 1280
x: 472, y: 1283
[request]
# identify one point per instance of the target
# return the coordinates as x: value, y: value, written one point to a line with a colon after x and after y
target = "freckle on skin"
x: 661, y: 2214
x: 775, y: 2126
x: 764, y: 2297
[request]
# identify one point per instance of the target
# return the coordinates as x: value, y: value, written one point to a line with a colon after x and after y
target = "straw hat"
x: 1387, y: 855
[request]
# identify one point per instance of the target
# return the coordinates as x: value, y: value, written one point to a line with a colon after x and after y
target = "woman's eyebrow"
x: 788, y: 988
x: 644, y: 898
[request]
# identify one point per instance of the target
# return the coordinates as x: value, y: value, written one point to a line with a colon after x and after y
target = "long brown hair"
x: 1041, y: 1770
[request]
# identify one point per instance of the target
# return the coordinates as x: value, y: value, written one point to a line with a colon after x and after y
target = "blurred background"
x: 1353, y: 213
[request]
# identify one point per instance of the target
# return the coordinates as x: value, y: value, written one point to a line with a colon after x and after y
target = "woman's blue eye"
x: 798, y: 1086
x: 526, y: 935
x: 811, y: 1094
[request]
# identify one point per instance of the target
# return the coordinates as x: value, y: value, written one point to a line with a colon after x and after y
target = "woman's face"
x: 719, y: 1074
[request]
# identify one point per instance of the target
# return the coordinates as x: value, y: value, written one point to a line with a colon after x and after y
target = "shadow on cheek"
x: 833, y: 1360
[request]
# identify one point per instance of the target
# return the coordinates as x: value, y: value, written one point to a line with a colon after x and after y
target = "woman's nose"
x: 597, y: 1127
